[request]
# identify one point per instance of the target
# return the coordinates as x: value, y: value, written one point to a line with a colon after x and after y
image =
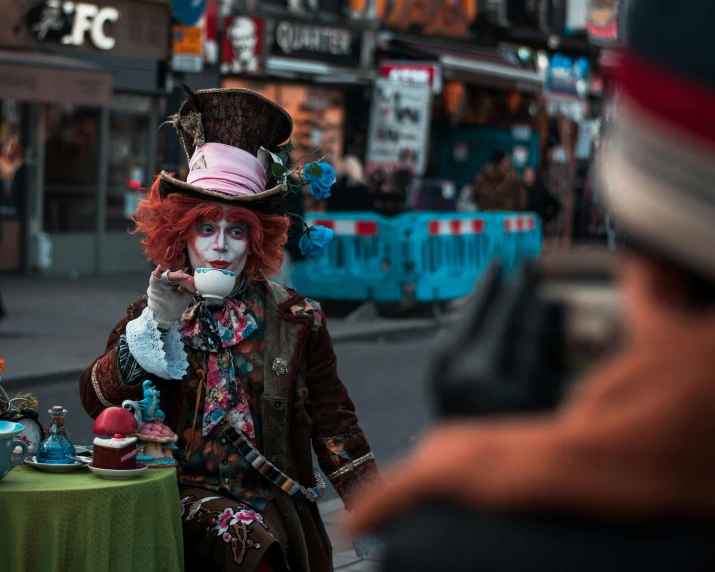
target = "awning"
x: 471, y: 65
x: 46, y: 78
x: 319, y: 72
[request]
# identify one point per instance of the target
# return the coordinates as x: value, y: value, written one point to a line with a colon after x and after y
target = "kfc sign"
x: 413, y: 72
x: 242, y: 45
x: 72, y: 23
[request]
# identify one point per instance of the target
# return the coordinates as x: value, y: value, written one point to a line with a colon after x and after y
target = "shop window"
x: 71, y: 147
x: 318, y: 118
x: 12, y: 182
x: 132, y: 160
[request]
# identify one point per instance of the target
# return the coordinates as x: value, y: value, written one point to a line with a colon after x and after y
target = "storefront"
x: 87, y: 126
x: 320, y: 73
x: 482, y: 96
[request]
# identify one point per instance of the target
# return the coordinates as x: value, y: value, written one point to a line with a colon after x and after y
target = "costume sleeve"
x: 156, y: 352
x: 102, y: 385
x: 340, y: 444
x: 132, y: 372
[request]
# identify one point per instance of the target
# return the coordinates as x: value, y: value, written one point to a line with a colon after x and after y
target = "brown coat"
x: 309, y: 403
x: 497, y: 188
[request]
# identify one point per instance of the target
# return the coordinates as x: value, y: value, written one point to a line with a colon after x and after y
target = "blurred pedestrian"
x: 350, y: 192
x: 497, y: 186
x: 538, y: 198
x: 630, y: 443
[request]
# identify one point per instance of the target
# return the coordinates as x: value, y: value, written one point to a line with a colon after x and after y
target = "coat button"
x: 226, y: 480
x: 279, y: 405
x: 223, y: 441
x: 225, y: 461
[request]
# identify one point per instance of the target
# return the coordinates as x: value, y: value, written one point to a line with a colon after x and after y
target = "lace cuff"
x: 164, y: 356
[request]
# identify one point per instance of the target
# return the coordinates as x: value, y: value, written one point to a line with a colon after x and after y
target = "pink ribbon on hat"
x: 219, y: 167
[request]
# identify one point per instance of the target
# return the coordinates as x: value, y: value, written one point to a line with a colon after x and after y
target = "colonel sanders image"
x: 242, y: 34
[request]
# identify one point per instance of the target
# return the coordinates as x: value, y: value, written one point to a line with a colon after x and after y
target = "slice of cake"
x: 118, y: 453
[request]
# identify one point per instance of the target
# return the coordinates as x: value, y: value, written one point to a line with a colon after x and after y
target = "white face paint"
x: 219, y: 244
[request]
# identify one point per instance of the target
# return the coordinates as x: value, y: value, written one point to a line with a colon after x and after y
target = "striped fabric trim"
x: 682, y: 163
x: 132, y: 372
x: 351, y: 466
x: 270, y: 471
x: 659, y: 191
x: 674, y: 98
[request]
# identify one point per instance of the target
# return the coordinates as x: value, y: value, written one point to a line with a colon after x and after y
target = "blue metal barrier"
x: 356, y: 265
x: 520, y: 238
x: 446, y: 253
x: 431, y: 257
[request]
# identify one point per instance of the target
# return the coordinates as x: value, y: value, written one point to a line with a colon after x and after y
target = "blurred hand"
x: 503, y: 357
x: 426, y: 474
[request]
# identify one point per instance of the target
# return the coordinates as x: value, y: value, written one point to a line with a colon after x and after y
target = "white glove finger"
x: 167, y: 277
x: 177, y: 276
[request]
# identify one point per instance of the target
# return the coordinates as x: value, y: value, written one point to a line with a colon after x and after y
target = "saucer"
x: 53, y: 468
x: 118, y: 474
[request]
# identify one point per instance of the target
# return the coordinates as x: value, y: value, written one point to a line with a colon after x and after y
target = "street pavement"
x: 57, y: 327
x: 386, y: 381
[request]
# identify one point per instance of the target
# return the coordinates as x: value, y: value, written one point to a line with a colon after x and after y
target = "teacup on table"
x: 214, y: 283
x: 8, y: 431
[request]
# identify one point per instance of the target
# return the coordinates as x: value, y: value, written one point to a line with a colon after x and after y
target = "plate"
x: 118, y: 474
x: 51, y: 467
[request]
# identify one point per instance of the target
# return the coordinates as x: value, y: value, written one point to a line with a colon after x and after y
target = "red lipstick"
x: 221, y: 264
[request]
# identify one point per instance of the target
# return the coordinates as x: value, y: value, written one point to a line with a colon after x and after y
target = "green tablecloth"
x: 80, y: 522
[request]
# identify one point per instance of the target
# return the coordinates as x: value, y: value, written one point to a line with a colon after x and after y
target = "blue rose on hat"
x: 315, y: 239
x: 320, y: 178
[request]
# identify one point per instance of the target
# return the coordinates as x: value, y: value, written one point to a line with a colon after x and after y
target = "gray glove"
x: 166, y: 301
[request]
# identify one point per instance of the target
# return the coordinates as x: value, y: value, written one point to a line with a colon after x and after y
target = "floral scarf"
x: 215, y: 329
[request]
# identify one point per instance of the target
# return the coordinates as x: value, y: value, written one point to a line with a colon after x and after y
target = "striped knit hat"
x: 660, y: 165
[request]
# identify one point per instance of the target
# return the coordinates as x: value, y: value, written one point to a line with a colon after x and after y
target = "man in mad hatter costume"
x: 247, y: 383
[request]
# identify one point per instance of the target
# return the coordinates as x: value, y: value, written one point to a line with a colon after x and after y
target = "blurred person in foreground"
x: 538, y: 197
x: 497, y: 186
x: 621, y: 474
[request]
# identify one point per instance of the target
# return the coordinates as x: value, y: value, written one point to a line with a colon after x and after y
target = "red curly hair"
x: 167, y: 225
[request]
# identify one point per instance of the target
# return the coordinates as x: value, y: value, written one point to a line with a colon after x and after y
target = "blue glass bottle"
x: 57, y: 448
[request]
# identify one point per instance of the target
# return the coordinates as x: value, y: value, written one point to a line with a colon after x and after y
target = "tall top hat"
x: 660, y: 166
x: 226, y: 134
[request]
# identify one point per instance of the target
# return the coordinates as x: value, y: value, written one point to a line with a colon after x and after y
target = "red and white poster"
x: 428, y: 73
x: 243, y: 43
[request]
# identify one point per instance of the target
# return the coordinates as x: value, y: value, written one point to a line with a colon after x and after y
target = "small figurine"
x: 156, y: 439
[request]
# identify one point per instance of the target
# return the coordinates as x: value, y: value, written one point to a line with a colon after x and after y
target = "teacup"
x: 8, y: 431
x: 214, y: 282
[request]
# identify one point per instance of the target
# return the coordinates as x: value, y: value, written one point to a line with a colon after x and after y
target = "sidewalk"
x: 344, y: 557
x: 58, y: 326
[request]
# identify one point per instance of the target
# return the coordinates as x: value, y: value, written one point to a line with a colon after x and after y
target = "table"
x: 80, y: 522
